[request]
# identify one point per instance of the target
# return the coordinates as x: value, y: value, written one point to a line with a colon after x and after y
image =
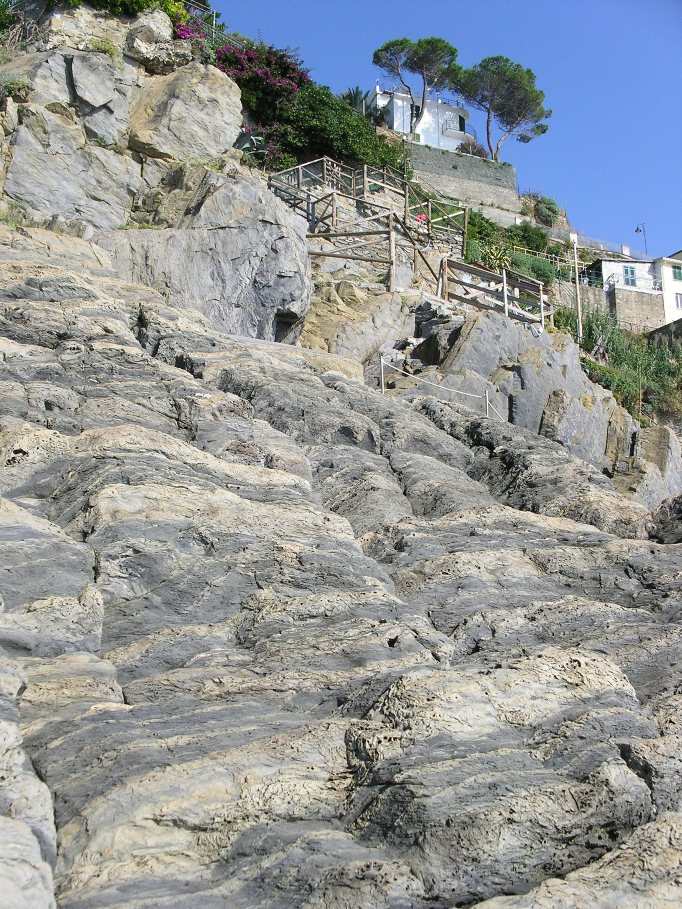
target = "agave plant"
x: 495, y: 256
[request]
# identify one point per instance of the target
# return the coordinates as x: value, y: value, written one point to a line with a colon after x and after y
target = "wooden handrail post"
x: 505, y: 297
x: 428, y: 215
x: 365, y: 181
x: 446, y: 279
x: 391, y: 253
x: 324, y: 171
x: 383, y: 383
x: 542, y: 306
x: 466, y: 228
x: 299, y: 176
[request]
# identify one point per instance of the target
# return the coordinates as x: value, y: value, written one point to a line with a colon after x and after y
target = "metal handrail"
x: 467, y: 394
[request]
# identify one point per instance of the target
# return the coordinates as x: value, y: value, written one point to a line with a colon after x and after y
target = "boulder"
x: 235, y: 253
x: 193, y: 113
x: 53, y: 173
x: 345, y: 320
x: 667, y: 521
x: 150, y: 42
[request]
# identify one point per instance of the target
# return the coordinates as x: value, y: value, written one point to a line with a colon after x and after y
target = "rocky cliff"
x: 270, y: 638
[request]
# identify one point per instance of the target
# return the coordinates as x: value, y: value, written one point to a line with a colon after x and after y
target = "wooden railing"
x: 432, y: 217
x: 515, y: 295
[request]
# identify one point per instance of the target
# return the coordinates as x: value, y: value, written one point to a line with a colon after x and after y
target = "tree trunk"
x: 489, y: 134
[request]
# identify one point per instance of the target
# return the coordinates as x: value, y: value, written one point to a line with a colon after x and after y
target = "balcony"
x: 451, y: 127
x: 637, y: 282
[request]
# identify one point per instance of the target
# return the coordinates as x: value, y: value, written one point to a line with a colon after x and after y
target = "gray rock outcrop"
x: 535, y: 380
x: 103, y: 146
x: 284, y: 641
x: 268, y: 637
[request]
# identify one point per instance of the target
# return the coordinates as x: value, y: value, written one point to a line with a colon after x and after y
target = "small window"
x: 629, y: 273
x: 678, y: 301
x: 677, y: 272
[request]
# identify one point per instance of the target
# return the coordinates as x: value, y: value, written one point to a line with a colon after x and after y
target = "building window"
x: 630, y: 279
x: 678, y: 301
x: 677, y: 272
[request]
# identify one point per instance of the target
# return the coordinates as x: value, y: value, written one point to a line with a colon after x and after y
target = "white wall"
x: 671, y: 287
x: 646, y: 276
x: 430, y: 129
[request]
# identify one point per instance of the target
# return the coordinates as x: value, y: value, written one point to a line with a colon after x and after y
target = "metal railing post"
x: 383, y: 386
x: 487, y: 403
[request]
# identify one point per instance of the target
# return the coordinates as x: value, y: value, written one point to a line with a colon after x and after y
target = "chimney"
x: 625, y: 250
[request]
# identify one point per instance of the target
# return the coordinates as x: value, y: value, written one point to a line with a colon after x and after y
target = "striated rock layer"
x: 272, y: 639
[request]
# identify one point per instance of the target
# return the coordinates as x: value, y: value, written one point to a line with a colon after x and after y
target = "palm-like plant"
x: 356, y: 97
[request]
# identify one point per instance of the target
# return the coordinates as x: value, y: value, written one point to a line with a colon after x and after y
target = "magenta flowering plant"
x: 268, y: 78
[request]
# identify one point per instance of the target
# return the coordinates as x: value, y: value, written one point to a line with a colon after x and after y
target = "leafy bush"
x: 269, y: 79
x: 173, y: 8
x: 481, y: 228
x: 546, y: 211
x: 566, y: 320
x: 634, y: 363
x: 474, y: 251
x: 470, y: 146
x: 625, y: 390
x: 104, y: 46
x: 533, y: 267
x: 318, y: 123
x: 528, y: 235
x: 12, y: 87
x: 6, y: 15
x: 495, y: 256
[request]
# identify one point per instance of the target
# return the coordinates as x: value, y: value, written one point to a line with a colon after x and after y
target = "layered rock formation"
x: 270, y: 638
x: 534, y: 380
x: 280, y: 640
x: 121, y: 136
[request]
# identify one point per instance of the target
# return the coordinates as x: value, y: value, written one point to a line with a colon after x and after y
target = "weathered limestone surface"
x: 226, y: 247
x: 293, y: 643
x: 535, y: 381
x: 101, y: 147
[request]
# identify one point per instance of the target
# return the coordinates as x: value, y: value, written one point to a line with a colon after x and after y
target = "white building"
x: 444, y: 125
x: 642, y: 292
x: 669, y: 273
x: 629, y: 274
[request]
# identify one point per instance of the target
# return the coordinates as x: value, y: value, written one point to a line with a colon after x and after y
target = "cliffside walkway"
x: 375, y: 215
x: 371, y: 214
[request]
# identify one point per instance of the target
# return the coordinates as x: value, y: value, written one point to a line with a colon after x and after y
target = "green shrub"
x: 319, y: 123
x: 625, y: 390
x: 6, y: 16
x: 481, y: 228
x: 173, y: 8
x: 104, y: 46
x: 11, y: 87
x: 474, y: 251
x: 533, y: 267
x: 546, y: 211
x: 528, y: 236
x: 269, y: 79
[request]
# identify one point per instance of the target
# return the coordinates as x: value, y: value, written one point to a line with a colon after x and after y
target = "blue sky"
x: 611, y: 71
